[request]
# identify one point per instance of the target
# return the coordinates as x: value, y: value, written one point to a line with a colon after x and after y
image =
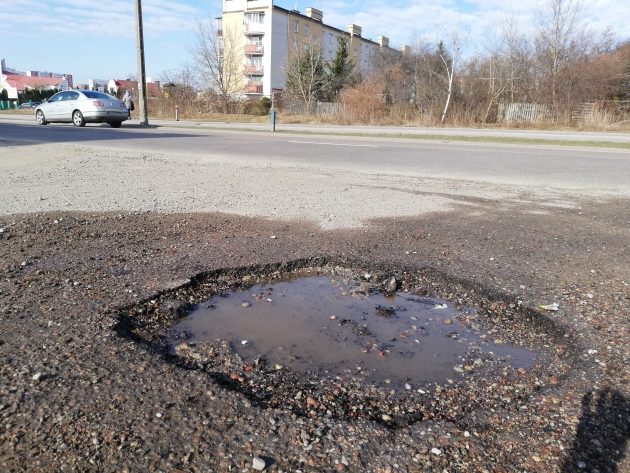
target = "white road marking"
x: 332, y: 144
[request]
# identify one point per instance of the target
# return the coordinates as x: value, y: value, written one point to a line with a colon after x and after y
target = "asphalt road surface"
x: 581, y: 169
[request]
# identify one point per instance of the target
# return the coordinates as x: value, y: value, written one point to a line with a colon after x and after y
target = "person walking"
x: 128, y: 101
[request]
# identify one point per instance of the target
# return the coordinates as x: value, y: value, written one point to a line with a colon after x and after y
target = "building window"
x: 296, y: 26
x: 305, y: 30
x: 255, y: 40
x: 256, y: 17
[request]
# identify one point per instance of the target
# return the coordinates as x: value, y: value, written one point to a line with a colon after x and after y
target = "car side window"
x: 65, y: 96
x: 56, y: 98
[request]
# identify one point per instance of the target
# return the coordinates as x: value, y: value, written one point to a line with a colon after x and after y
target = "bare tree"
x: 560, y: 38
x: 497, y: 82
x: 395, y: 72
x: 219, y: 60
x: 180, y: 88
x: 449, y: 64
x: 427, y: 89
x: 504, y: 66
x: 306, y: 75
x: 517, y: 55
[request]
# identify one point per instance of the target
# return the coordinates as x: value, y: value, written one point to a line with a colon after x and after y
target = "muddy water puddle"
x: 321, y: 326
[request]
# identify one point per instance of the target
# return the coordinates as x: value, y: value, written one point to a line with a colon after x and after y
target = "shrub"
x: 365, y: 102
x: 266, y: 103
x: 257, y: 107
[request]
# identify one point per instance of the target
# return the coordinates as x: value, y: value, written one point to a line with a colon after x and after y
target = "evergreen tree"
x: 340, y: 70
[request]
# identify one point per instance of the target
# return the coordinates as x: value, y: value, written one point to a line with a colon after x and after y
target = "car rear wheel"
x: 77, y: 118
x: 115, y: 124
x: 40, y: 118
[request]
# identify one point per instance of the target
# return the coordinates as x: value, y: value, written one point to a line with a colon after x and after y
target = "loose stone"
x: 258, y: 464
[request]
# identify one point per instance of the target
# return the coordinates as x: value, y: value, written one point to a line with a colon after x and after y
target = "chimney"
x: 383, y: 41
x: 315, y: 14
x: 405, y: 49
x: 354, y: 30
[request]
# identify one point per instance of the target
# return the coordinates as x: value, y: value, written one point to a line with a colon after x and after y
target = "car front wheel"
x: 115, y: 124
x: 40, y: 118
x: 77, y: 118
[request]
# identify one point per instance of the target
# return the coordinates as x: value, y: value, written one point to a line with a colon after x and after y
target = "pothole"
x: 342, y: 339
x: 329, y: 326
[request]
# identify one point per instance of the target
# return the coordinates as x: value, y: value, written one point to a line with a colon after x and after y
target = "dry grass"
x: 168, y: 113
x: 374, y: 112
x: 405, y: 116
x: 19, y: 111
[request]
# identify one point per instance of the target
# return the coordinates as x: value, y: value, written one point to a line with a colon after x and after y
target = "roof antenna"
x: 297, y: 7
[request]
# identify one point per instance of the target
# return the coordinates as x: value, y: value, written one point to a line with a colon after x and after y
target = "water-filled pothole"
x: 327, y: 326
x: 493, y: 350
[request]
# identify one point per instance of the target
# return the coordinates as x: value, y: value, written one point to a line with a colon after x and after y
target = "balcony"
x: 254, y: 28
x: 254, y: 49
x: 254, y: 70
x: 254, y: 89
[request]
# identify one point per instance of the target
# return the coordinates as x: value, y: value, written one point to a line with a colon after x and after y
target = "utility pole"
x: 142, y: 80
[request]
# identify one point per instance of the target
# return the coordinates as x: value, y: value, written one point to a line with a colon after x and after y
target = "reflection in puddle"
x: 318, y: 325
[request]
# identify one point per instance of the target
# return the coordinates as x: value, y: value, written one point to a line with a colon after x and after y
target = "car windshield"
x: 91, y: 94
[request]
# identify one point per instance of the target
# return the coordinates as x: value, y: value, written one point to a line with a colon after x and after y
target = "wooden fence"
x: 612, y: 111
x: 322, y: 109
x: 523, y: 112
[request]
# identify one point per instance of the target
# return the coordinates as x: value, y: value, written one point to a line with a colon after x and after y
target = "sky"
x: 95, y: 39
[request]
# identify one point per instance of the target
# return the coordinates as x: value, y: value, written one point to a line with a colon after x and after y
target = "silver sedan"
x: 80, y: 107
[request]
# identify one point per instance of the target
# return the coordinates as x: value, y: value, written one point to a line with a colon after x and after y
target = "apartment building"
x: 269, y: 34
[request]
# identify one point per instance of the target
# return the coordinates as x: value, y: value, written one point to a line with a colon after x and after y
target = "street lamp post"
x: 142, y: 81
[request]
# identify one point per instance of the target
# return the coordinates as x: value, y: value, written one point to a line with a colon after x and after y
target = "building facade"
x: 268, y: 34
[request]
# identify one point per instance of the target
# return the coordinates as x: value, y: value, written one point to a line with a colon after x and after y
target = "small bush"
x: 257, y: 107
x: 266, y: 103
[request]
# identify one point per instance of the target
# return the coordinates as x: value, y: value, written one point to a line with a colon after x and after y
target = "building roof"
x: 22, y: 83
x: 306, y: 17
x: 325, y: 25
x: 153, y: 88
